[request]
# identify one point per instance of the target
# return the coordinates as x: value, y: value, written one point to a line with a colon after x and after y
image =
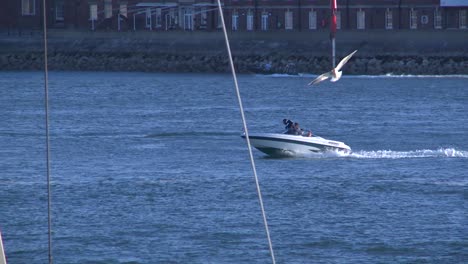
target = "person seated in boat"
x: 288, y: 123
x: 297, y: 129
x: 309, y: 133
x: 290, y: 129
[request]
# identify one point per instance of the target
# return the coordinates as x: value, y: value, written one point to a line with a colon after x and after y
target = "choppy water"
x: 150, y: 168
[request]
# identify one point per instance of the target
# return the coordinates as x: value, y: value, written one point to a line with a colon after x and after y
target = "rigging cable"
x: 246, y: 132
x: 46, y: 105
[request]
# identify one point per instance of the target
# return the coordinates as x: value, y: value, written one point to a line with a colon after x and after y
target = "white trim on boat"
x: 277, y: 144
x: 2, y: 251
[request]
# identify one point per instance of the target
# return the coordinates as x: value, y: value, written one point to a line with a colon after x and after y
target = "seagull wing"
x: 321, y: 78
x: 344, y: 61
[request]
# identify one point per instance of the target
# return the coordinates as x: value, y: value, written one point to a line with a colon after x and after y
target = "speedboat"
x: 282, y: 144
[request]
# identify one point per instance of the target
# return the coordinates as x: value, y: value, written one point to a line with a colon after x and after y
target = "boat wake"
x: 390, y: 154
x: 281, y: 75
x: 192, y: 134
x: 387, y: 75
x: 391, y: 75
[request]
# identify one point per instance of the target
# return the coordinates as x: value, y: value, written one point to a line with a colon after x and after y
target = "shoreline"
x: 272, y: 75
x: 219, y: 64
x: 379, y: 52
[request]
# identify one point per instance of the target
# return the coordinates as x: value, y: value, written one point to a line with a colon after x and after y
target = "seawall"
x: 379, y: 52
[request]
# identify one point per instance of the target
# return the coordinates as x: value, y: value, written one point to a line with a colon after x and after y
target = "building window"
x: 361, y: 19
x: 388, y: 19
x: 413, y: 19
x: 462, y: 19
x: 220, y: 22
x: 312, y: 19
x: 108, y: 8
x: 338, y: 19
x: 173, y: 19
x: 188, y: 19
x: 59, y: 11
x: 148, y: 18
x: 204, y: 17
x: 437, y: 19
x: 288, y: 18
x: 264, y: 20
x: 424, y: 20
x: 93, y: 15
x: 28, y: 7
x: 249, y: 20
x: 158, y: 18
x: 235, y: 21
x: 123, y: 10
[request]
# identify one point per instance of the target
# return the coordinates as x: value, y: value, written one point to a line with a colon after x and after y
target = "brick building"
x: 240, y: 15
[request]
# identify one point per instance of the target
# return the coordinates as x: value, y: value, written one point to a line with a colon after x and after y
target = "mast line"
x: 252, y: 162
x: 333, y: 9
x: 46, y: 106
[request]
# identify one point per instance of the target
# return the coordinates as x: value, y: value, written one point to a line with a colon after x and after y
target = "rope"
x: 246, y: 133
x: 46, y: 105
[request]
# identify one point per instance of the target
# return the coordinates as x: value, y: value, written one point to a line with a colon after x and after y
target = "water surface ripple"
x: 151, y: 168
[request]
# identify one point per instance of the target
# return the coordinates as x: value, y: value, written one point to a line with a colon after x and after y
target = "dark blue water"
x: 150, y: 168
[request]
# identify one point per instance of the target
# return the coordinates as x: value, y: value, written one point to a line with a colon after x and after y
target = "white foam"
x: 391, y: 75
x: 391, y: 154
x: 387, y: 75
x: 281, y: 75
x: 424, y: 153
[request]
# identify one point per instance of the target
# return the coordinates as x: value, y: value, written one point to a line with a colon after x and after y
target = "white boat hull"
x: 276, y: 144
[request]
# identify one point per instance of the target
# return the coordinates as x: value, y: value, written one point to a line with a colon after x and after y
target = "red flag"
x: 333, y: 8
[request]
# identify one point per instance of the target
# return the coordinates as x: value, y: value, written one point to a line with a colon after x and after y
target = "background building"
x: 240, y: 15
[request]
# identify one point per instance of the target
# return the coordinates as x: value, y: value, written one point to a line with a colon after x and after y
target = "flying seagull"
x: 334, y: 74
